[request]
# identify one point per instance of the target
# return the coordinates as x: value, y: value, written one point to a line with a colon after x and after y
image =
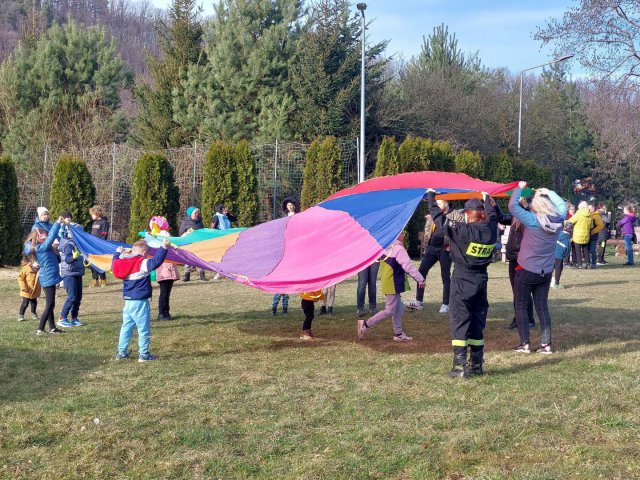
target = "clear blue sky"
x: 499, y: 30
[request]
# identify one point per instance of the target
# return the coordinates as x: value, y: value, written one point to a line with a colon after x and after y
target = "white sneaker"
x: 413, y: 304
x: 444, y: 308
x: 402, y: 338
x: 553, y: 285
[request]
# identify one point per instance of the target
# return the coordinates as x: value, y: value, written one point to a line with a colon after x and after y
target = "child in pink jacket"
x: 167, y: 273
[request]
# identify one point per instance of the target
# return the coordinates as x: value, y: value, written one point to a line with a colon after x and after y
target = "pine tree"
x: 10, y: 226
x: 180, y: 43
x: 387, y: 162
x: 309, y: 177
x: 72, y: 190
x: 247, y: 191
x: 470, y: 163
x: 154, y: 193
x: 219, y: 180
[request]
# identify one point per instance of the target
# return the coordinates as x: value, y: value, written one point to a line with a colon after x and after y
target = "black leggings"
x: 164, y: 297
x: 583, y: 254
x: 558, y: 269
x: 308, y: 307
x: 47, y: 314
x: 96, y: 275
x: 26, y: 302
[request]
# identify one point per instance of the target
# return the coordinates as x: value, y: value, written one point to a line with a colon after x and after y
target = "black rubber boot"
x: 274, y: 311
x: 203, y: 277
x: 459, y: 363
x: 323, y: 310
x: 476, y: 361
x: 186, y: 277
x: 285, y: 310
x: 330, y: 310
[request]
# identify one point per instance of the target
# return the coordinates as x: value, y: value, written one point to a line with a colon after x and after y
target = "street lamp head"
x: 563, y: 58
x: 362, y: 7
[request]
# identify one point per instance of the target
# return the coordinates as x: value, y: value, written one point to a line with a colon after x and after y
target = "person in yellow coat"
x: 29, y: 287
x: 308, y: 304
x: 582, y: 224
x: 597, y: 225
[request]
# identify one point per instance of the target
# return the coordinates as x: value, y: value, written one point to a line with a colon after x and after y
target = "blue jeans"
x: 73, y: 286
x: 367, y: 277
x: 276, y: 300
x: 136, y: 314
x: 629, y: 246
x: 593, y: 250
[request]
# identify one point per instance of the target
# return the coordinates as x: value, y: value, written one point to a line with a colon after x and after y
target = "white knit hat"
x: 42, y: 210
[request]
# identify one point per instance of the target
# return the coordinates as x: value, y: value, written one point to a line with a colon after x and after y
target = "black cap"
x: 474, y: 204
x: 66, y: 214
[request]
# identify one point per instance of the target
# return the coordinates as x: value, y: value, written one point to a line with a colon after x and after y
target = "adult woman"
x: 536, y: 260
x: 582, y: 234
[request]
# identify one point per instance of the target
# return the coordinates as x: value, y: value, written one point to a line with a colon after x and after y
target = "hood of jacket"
x: 550, y: 223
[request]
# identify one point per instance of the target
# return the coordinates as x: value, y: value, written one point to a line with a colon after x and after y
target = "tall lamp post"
x: 557, y: 60
x: 362, y: 7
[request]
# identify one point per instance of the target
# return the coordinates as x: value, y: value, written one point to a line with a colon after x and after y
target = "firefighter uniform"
x: 472, y: 247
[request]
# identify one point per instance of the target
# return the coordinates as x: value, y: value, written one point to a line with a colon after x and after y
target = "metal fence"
x: 279, y: 167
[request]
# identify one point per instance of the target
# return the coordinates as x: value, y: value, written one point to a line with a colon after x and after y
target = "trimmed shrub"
x: 499, y: 168
x: 10, y: 227
x: 247, y: 194
x: 72, y: 189
x: 309, y: 176
x: 328, y: 169
x: 387, y: 162
x: 219, y: 180
x: 154, y: 193
x: 534, y: 175
x: 441, y: 156
x: 470, y: 163
x: 413, y: 154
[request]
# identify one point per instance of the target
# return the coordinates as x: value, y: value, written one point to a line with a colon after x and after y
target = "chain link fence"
x: 279, y: 168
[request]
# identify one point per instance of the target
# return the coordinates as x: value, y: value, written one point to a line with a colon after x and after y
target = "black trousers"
x: 96, y: 275
x: 50, y: 304
x: 602, y: 246
x: 165, y: 296
x: 559, y: 266
x: 308, y: 307
x: 583, y: 254
x: 26, y: 302
x: 468, y: 307
x: 530, y: 284
x: 429, y: 260
x: 512, y: 276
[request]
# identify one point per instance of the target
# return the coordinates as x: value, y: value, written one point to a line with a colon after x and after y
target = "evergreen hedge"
x: 308, y: 193
x: 441, y: 155
x: 387, y: 161
x: 328, y: 169
x: 10, y: 227
x: 499, y: 168
x: 220, y: 180
x: 154, y: 193
x: 470, y: 163
x: 72, y: 189
x: 247, y: 194
x: 534, y: 175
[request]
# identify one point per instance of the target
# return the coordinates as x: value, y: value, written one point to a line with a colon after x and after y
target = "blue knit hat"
x: 190, y: 210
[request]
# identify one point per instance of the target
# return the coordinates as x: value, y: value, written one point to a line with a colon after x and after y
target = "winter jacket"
x: 581, y: 226
x: 46, y: 226
x: 189, y: 223
x: 167, y: 271
x: 562, y: 246
x: 627, y: 223
x: 29, y: 282
x: 312, y: 296
x: 537, y: 250
x: 434, y: 237
x: 597, y: 225
x: 222, y: 222
x: 605, y: 233
x: 135, y: 271
x: 514, y: 240
x: 100, y: 228
x: 47, y: 258
x: 72, y: 263
x: 393, y: 266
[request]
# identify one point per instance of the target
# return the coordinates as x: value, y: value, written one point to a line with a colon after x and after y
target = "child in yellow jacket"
x: 29, y: 288
x: 308, y: 304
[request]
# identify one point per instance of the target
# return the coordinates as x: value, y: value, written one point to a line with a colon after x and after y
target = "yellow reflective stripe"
x: 459, y: 343
x: 476, y: 342
x: 480, y: 250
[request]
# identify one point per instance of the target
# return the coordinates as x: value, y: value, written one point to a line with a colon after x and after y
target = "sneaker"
x: 306, y: 335
x: 77, y: 323
x: 545, y: 350
x: 373, y: 310
x: 553, y: 285
x: 55, y: 331
x: 402, y: 338
x: 523, y: 348
x: 39, y: 332
x: 362, y: 329
x: 559, y: 286
x: 63, y: 322
x: 146, y: 357
x: 34, y: 316
x: 413, y: 305
x: 360, y: 312
x: 511, y: 326
x: 323, y: 310
x: 123, y: 355
x: 600, y: 264
x: 532, y: 324
x: 21, y: 318
x: 444, y: 308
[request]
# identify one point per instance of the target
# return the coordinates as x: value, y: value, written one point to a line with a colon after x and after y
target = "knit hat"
x: 474, y: 204
x: 42, y: 210
x: 190, y: 210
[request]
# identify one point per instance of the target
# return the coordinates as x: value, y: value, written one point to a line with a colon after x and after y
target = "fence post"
x: 113, y: 182
x: 193, y: 185
x: 275, y: 180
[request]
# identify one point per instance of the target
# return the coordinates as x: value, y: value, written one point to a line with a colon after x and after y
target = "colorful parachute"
x: 316, y: 248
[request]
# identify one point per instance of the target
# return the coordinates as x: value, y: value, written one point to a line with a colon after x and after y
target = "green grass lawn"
x: 236, y: 394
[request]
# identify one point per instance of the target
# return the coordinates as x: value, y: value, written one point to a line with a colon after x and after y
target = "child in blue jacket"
x: 562, y: 252
x: 135, y: 269
x: 72, y: 271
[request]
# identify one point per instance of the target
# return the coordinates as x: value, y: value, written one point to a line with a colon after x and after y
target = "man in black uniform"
x: 472, y: 243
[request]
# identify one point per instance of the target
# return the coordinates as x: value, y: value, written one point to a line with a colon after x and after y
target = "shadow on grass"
x: 30, y: 375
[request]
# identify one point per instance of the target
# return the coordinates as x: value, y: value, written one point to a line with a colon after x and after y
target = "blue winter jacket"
x: 46, y: 256
x: 562, y: 246
x: 69, y: 266
x: 43, y: 225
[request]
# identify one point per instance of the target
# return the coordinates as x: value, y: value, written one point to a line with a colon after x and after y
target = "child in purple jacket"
x: 626, y: 227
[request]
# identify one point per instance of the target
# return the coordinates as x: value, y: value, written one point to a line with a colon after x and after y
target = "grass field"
x: 236, y: 394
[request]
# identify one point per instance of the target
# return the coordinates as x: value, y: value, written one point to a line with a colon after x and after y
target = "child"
x: 29, y: 287
x: 167, y: 273
x: 72, y: 271
x: 562, y: 252
x: 329, y: 300
x: 626, y: 228
x: 308, y: 303
x: 99, y: 229
x: 40, y: 244
x: 134, y: 268
x: 392, y: 274
x: 290, y: 207
x: 222, y: 218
